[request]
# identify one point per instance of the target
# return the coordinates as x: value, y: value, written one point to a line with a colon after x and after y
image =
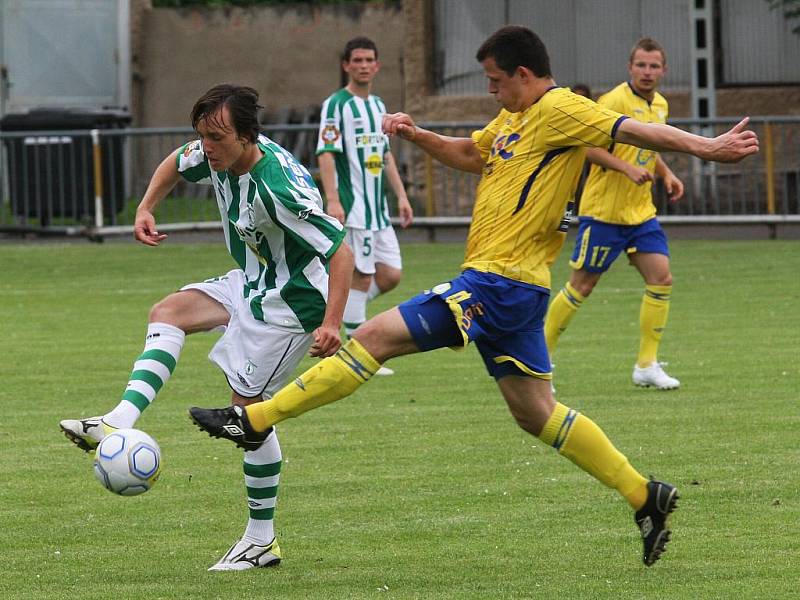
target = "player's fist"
x: 399, y: 124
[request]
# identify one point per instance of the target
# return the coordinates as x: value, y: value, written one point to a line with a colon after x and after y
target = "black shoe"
x: 652, y: 519
x: 229, y: 423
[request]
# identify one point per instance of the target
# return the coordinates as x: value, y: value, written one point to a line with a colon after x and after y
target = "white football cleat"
x: 654, y: 376
x: 384, y: 371
x: 246, y: 555
x: 86, y: 433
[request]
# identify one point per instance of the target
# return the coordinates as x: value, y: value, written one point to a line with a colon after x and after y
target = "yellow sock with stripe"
x: 652, y: 320
x: 560, y: 313
x: 579, y: 439
x: 329, y: 380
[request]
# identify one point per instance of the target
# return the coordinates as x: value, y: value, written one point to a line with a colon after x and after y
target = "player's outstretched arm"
x: 458, y: 153
x: 161, y: 183
x: 732, y: 146
x: 340, y: 275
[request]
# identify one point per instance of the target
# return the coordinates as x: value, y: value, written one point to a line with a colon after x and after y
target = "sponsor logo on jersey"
x: 374, y: 164
x: 369, y: 139
x: 330, y: 134
x: 501, y: 144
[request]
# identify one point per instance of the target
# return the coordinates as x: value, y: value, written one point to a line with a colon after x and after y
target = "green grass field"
x: 421, y: 485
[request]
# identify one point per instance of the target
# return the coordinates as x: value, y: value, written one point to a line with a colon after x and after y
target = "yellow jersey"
x: 533, y: 160
x: 609, y: 196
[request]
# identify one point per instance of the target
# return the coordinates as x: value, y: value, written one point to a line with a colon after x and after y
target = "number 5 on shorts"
x: 366, y: 249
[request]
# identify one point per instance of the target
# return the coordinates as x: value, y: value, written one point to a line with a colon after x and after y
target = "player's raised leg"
x: 382, y: 337
x: 170, y: 321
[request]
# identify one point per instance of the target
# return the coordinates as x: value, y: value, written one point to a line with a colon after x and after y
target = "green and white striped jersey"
x: 350, y: 127
x: 275, y: 230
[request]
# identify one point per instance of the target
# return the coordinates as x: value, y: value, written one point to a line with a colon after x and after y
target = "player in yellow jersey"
x: 529, y: 158
x: 617, y: 213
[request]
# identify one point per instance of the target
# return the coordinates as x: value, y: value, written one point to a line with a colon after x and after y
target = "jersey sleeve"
x: 573, y: 120
x: 484, y: 138
x: 330, y: 127
x: 192, y: 163
x: 296, y: 206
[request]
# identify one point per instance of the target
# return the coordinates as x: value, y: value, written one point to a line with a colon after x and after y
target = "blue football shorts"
x: 505, y: 319
x: 599, y: 244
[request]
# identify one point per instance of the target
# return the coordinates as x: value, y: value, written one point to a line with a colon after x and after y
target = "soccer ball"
x: 127, y: 462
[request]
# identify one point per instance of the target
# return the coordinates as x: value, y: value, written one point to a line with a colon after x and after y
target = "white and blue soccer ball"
x: 127, y: 462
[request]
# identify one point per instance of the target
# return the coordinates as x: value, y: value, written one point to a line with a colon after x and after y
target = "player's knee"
x: 164, y: 311
x: 664, y: 279
x: 390, y: 282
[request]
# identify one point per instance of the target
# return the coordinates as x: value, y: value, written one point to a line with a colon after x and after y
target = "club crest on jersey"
x: 191, y: 147
x: 330, y: 133
x: 502, y: 143
x: 643, y: 157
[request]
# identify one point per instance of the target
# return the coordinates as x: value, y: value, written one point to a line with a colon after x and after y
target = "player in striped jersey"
x: 529, y: 158
x: 276, y: 305
x: 617, y: 214
x: 354, y: 162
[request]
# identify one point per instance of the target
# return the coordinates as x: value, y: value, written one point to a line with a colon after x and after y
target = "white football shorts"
x: 256, y: 358
x: 371, y: 247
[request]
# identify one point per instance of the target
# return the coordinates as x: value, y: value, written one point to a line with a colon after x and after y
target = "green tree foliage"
x: 790, y: 8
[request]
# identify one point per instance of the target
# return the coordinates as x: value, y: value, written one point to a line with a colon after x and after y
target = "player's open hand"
x: 405, y: 211
x: 733, y: 145
x: 638, y: 175
x: 326, y: 341
x: 144, y: 229
x: 399, y: 124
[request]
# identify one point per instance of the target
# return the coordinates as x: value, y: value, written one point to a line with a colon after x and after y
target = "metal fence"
x: 89, y: 183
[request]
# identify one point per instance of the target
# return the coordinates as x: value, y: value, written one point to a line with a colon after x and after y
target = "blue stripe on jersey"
x: 528, y: 184
x: 616, y: 126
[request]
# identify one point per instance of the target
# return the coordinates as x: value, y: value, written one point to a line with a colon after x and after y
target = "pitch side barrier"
x: 88, y: 182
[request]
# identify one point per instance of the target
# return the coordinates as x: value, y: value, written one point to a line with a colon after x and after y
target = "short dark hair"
x: 514, y: 46
x: 582, y: 90
x: 242, y: 103
x: 648, y: 45
x: 362, y: 42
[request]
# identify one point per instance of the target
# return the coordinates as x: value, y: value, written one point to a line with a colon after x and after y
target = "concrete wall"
x: 290, y: 54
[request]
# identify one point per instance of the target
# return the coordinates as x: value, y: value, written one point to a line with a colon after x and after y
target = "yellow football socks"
x: 652, y: 320
x: 560, y: 313
x: 579, y: 439
x: 329, y: 380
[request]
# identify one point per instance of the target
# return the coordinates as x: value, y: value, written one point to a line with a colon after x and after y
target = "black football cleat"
x: 229, y: 423
x: 653, y: 519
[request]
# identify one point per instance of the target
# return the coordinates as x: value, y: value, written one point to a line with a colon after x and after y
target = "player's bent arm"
x: 731, y: 146
x: 607, y: 160
x: 164, y: 179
